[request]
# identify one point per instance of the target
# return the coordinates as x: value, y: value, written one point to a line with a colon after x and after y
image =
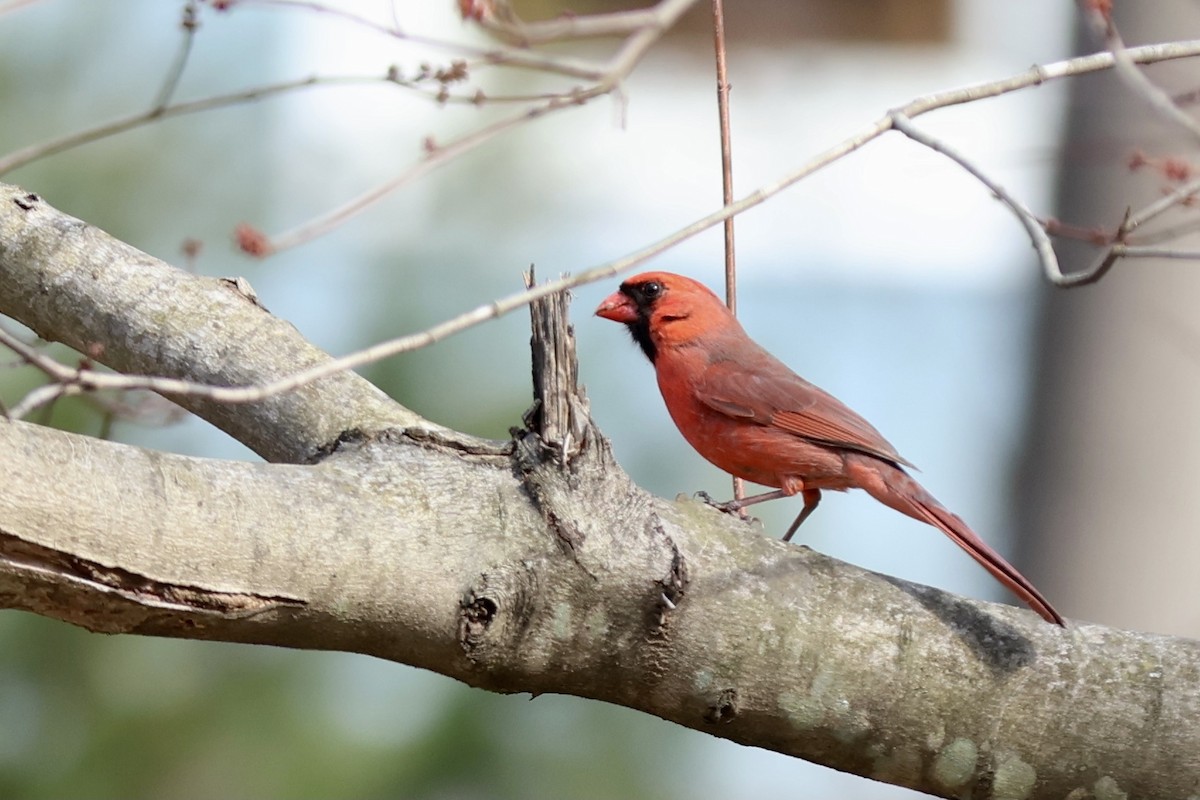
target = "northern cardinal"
x: 747, y: 413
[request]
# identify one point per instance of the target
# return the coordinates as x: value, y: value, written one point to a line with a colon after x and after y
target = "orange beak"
x: 619, y: 308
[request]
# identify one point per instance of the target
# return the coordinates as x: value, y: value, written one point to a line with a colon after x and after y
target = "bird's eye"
x: 651, y: 289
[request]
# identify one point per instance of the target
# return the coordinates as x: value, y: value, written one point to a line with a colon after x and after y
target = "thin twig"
x: 1134, y: 251
x: 718, y: 16
x: 1036, y: 75
x: 573, y: 27
x: 507, y: 56
x: 32, y: 153
x: 1181, y: 195
x: 718, y: 13
x: 1106, y: 260
x: 1161, y: 102
x: 666, y: 14
x: 1033, y: 226
x: 29, y: 154
x: 1041, y: 241
x: 1167, y: 234
x: 190, y: 24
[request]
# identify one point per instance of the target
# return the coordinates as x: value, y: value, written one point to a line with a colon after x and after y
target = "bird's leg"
x: 812, y: 497
x: 734, y: 506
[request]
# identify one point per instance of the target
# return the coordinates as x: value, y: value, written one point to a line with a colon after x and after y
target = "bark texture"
x: 532, y: 565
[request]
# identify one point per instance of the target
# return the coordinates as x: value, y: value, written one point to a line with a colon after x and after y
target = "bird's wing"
x: 769, y: 393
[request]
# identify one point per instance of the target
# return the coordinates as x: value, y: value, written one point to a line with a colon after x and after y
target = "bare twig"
x: 190, y: 23
x: 1178, y: 198
x: 1102, y: 23
x: 27, y: 155
x: 1166, y: 234
x: 1041, y: 241
x: 515, y: 57
x: 1181, y: 195
x: 1134, y: 251
x: 20, y: 158
x: 666, y: 14
x: 718, y: 16
x: 1083, y: 65
x: 591, y: 26
x: 1106, y: 260
x: 419, y: 84
x: 718, y: 13
x: 1125, y: 241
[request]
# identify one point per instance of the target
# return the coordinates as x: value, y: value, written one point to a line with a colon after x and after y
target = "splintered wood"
x: 559, y: 414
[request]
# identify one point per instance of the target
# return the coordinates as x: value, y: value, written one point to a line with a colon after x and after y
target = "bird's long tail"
x: 895, y: 488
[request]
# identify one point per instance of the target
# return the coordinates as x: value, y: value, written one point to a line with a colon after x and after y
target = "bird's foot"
x: 730, y: 507
x: 708, y: 500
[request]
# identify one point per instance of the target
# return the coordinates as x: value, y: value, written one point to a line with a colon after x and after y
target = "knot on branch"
x: 723, y: 708
x: 497, y: 616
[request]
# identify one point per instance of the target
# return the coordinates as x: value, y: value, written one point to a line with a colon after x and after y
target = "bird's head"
x: 662, y: 309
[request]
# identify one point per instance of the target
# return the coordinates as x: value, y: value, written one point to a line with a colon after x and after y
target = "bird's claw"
x: 707, y: 499
x: 730, y: 507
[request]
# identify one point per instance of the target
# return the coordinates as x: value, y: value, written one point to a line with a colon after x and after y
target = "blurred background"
x: 1058, y: 424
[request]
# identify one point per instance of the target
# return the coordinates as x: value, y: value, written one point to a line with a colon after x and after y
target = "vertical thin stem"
x: 726, y: 152
x: 718, y: 12
x: 189, y: 23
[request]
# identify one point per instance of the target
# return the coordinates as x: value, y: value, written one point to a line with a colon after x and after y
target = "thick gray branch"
x: 73, y: 283
x: 526, y: 568
x: 436, y: 557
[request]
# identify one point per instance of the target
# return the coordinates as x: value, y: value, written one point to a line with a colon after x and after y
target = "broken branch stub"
x: 559, y: 414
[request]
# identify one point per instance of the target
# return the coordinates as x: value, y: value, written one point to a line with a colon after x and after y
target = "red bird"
x: 746, y: 412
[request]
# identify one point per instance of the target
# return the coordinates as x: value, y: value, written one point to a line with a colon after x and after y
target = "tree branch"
x: 538, y: 580
x: 72, y: 283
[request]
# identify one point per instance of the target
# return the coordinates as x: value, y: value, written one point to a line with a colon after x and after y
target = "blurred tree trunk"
x: 1109, y: 485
